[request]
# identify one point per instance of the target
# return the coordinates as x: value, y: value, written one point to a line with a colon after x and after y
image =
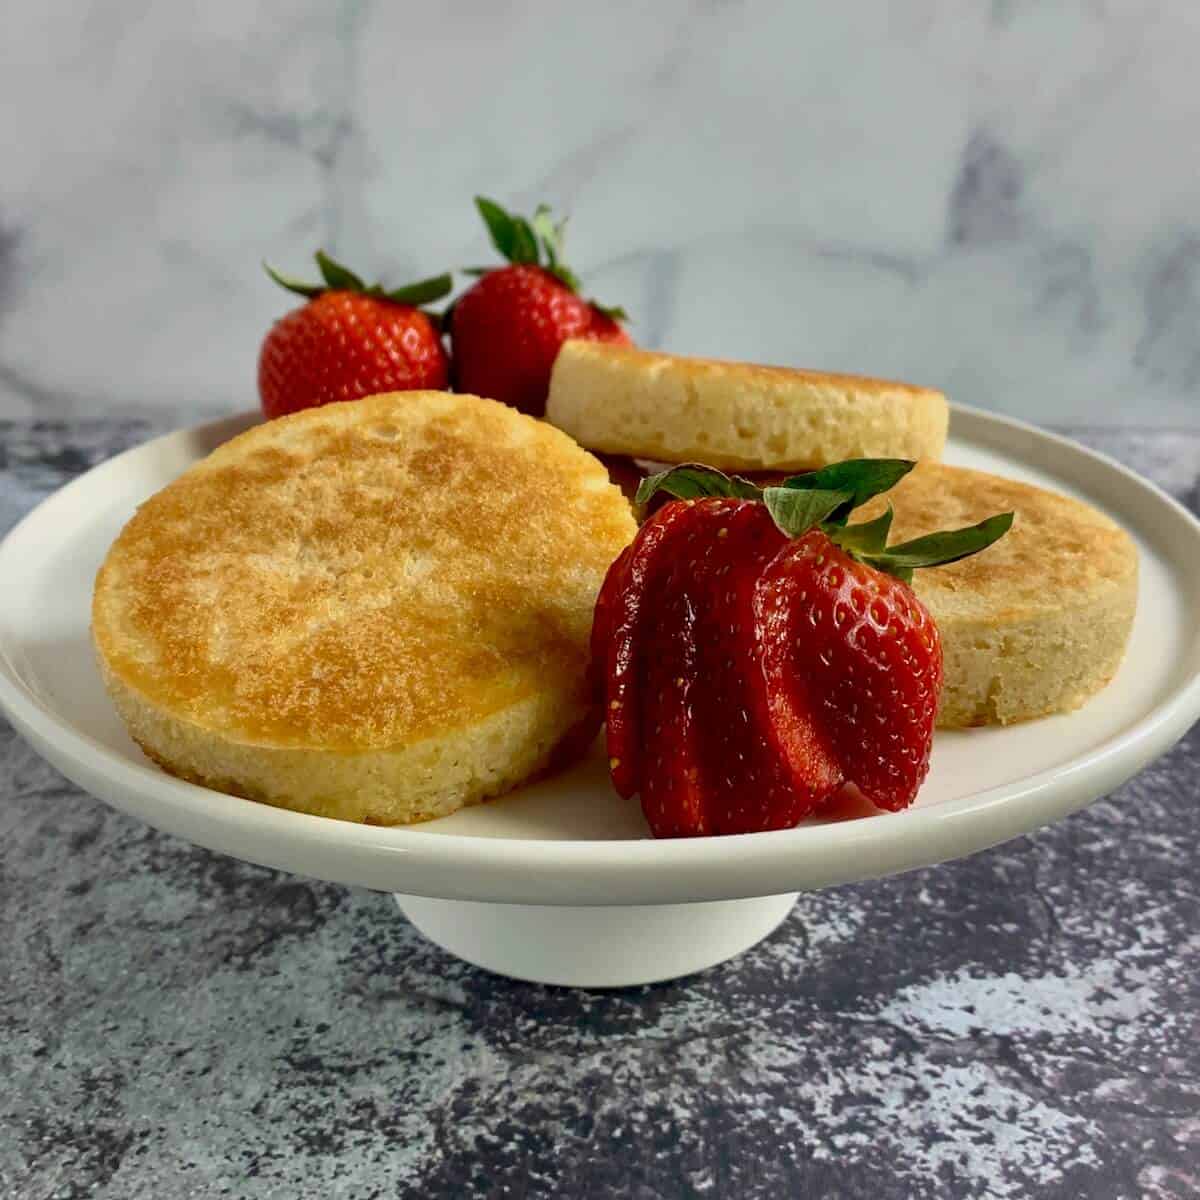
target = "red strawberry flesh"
x: 618, y: 653
x: 673, y: 786
x: 754, y: 785
x: 697, y: 724
x: 792, y: 769
x: 851, y: 653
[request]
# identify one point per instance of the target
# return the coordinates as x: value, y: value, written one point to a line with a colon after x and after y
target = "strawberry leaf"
x: 565, y: 276
x: 500, y: 226
x: 693, y: 480
x: 294, y: 285
x: 537, y: 242
x: 613, y: 311
x: 796, y: 511
x: 867, y: 537
x: 338, y: 277
x: 525, y: 243
x: 859, y: 478
x: 424, y: 291
x: 796, y: 506
x: 937, y: 549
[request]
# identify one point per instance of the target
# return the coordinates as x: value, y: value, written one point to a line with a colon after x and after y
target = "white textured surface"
x: 998, y: 199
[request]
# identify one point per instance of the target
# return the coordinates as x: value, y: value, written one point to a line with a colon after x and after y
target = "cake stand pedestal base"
x: 596, y: 947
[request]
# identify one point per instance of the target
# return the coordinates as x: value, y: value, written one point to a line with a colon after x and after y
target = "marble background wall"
x: 1001, y: 199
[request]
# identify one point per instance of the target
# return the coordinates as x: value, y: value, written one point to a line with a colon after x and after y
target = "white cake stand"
x: 560, y: 882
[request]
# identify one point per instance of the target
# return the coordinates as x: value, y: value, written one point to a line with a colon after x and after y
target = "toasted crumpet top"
x: 365, y: 574
x: 1058, y: 547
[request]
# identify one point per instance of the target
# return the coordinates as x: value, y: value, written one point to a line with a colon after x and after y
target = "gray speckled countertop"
x: 177, y: 1024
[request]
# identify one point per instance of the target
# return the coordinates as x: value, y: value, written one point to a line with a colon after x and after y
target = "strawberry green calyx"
x: 338, y: 278
x: 825, y: 499
x: 536, y: 242
x: 938, y: 549
x: 690, y: 481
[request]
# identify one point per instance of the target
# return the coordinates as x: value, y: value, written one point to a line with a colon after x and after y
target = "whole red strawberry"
x: 506, y: 330
x: 756, y: 652
x: 350, y: 341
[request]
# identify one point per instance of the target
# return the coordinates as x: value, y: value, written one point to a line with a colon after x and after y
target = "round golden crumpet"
x: 376, y: 610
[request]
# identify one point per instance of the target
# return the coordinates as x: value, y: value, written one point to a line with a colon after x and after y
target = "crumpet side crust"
x: 1038, y: 622
x: 737, y: 416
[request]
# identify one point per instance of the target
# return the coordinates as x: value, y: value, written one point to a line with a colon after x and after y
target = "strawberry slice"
x: 672, y: 780
x: 616, y: 647
x: 754, y: 784
x: 874, y: 627
x: 851, y: 657
x: 788, y: 710
x: 713, y: 764
x: 791, y: 763
x: 707, y: 736
x: 602, y: 621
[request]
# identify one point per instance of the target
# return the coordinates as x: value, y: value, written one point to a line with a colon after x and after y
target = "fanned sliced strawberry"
x: 761, y: 652
x: 616, y: 648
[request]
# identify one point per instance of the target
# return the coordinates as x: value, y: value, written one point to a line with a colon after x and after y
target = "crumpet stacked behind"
x: 736, y: 416
x: 375, y: 610
x: 1037, y: 623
